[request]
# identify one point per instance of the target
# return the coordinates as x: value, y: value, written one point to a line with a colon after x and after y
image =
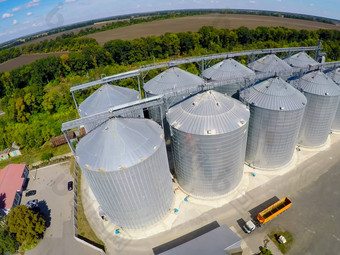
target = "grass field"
x: 35, y: 156
x: 194, y: 23
x: 284, y: 248
x: 25, y: 60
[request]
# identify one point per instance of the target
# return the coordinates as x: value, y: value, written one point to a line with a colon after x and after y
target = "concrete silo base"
x: 194, y: 207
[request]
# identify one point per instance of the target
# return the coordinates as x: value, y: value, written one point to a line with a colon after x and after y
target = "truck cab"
x: 249, y: 226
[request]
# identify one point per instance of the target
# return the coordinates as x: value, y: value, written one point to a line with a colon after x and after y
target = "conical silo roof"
x: 227, y: 69
x: 119, y: 144
x: 300, y: 60
x: 274, y: 94
x: 335, y: 75
x: 208, y: 113
x: 105, y: 97
x: 317, y: 83
x: 172, y: 79
x: 269, y: 63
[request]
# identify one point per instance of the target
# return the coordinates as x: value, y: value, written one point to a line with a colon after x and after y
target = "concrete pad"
x: 196, y: 207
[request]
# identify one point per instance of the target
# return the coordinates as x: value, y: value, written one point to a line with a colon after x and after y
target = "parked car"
x: 31, y: 193
x: 249, y: 226
x: 70, y: 185
x: 32, y: 203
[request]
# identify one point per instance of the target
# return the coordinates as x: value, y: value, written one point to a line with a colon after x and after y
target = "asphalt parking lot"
x: 56, y: 202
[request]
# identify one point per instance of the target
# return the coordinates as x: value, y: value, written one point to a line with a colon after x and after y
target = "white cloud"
x: 29, y: 13
x: 311, y: 5
x: 6, y: 15
x: 70, y: 1
x: 16, y: 9
x: 279, y: 1
x: 138, y: 6
x: 252, y: 2
x: 15, y: 22
x: 32, y: 3
x: 2, y: 34
x: 26, y: 22
x: 37, y: 24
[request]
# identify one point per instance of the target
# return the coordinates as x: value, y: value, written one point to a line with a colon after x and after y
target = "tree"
x: 46, y: 156
x: 8, y: 243
x: 27, y: 226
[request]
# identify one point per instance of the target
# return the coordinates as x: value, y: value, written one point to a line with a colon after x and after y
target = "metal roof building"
x: 276, y: 112
x: 219, y: 241
x: 209, y: 134
x: 270, y: 63
x: 125, y: 163
x: 322, y: 103
x: 229, y: 69
x: 300, y: 60
x: 171, y: 80
x: 335, y: 75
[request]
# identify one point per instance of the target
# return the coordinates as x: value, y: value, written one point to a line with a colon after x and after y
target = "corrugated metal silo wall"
x: 138, y: 196
x: 317, y: 120
x: 155, y: 114
x: 229, y: 89
x: 272, y: 136
x: 336, y: 121
x: 209, y: 165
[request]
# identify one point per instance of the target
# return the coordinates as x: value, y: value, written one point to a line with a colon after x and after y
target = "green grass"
x: 284, y: 248
x: 35, y: 155
x: 84, y: 228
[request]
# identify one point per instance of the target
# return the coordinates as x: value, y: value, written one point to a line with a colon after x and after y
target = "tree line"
x: 36, y: 97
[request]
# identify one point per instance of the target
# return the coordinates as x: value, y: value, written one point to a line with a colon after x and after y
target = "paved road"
x: 51, y: 186
x: 314, y: 189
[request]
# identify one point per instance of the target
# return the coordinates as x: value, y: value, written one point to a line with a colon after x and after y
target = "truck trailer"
x: 274, y: 210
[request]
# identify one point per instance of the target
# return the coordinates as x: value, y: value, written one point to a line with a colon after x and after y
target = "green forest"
x: 36, y: 97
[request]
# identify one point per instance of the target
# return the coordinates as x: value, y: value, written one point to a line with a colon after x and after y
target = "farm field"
x: 194, y: 23
x: 76, y: 30
x: 25, y: 60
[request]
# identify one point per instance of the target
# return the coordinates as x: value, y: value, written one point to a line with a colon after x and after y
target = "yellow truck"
x: 274, y: 210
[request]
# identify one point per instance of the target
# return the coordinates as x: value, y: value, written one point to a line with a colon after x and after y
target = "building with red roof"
x: 12, y: 180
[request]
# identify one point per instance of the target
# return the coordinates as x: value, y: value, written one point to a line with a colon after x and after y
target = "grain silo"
x: 300, y: 60
x: 209, y: 134
x: 108, y: 96
x: 271, y: 63
x: 171, y: 80
x: 335, y: 75
x: 322, y: 103
x: 276, y: 112
x: 228, y: 70
x: 126, y: 166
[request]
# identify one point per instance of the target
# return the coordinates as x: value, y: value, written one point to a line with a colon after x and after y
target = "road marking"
x: 309, y: 230
x: 337, y: 238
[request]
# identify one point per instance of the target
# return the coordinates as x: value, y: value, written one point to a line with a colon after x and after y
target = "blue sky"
x: 23, y: 17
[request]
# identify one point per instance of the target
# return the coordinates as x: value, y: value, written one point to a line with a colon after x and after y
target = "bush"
x: 46, y: 156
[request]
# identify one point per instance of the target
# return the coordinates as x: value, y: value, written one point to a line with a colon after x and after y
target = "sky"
x: 23, y: 17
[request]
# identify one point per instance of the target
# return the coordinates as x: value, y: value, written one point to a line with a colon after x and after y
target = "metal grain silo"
x: 335, y: 75
x: 227, y: 70
x: 276, y: 112
x: 300, y: 60
x: 322, y: 103
x: 171, y: 80
x: 108, y: 96
x: 209, y: 134
x: 125, y: 163
x: 270, y: 63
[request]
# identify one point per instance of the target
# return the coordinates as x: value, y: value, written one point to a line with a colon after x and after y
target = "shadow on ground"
x: 45, y: 211
x: 255, y: 211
